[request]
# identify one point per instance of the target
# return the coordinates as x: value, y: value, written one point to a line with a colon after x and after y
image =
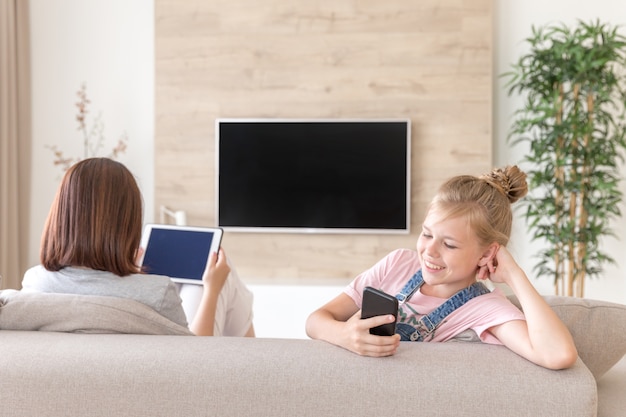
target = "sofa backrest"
x: 63, y: 374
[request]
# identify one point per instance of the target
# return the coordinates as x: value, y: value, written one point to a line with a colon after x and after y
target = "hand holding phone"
x: 379, y: 303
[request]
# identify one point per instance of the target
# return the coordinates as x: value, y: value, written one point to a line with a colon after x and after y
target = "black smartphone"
x: 379, y: 303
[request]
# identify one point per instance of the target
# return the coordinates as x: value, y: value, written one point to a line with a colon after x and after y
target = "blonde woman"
x: 462, y: 242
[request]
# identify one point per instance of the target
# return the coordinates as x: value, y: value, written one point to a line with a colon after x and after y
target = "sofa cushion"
x: 81, y: 314
x: 100, y: 375
x: 611, y: 389
x: 598, y: 329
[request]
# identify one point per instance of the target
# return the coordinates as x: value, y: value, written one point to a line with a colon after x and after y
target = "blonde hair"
x: 485, y: 201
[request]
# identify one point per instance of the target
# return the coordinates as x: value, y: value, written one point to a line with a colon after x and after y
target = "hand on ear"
x: 488, y: 263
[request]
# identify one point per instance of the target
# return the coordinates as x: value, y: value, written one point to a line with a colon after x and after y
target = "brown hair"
x: 485, y: 200
x: 95, y: 220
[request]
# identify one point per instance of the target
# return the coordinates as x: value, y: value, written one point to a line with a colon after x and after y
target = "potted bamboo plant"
x: 573, y: 83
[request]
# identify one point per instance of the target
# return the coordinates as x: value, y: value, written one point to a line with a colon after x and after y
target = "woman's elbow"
x: 563, y: 359
x: 310, y: 325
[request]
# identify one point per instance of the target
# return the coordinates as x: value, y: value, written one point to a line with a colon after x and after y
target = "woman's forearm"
x: 549, y: 338
x: 203, y: 323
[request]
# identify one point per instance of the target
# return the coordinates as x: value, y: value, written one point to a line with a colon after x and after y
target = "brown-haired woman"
x: 89, y: 246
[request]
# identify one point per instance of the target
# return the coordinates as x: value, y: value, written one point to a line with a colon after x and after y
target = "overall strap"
x: 427, y: 324
x: 410, y: 287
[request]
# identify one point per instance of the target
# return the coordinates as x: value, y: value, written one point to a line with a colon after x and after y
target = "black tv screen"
x: 335, y: 176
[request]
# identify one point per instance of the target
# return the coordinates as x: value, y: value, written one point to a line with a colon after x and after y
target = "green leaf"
x: 572, y: 119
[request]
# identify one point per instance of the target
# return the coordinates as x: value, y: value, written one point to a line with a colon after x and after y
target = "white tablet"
x: 179, y: 252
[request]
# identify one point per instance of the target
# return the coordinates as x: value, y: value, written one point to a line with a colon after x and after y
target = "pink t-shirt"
x: 391, y: 273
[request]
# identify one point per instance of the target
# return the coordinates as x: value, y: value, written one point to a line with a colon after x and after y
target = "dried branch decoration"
x: 93, y: 138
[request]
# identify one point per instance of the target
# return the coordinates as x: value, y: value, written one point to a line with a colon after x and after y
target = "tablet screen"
x: 180, y: 253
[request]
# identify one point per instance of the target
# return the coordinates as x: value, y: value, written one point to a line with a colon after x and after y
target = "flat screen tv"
x: 313, y: 175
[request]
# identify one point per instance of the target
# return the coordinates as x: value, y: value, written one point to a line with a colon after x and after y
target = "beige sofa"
x: 64, y: 369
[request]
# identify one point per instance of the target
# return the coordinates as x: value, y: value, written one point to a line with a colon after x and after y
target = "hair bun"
x: 509, y: 180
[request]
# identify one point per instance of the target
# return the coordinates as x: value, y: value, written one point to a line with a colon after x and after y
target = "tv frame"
x: 311, y: 230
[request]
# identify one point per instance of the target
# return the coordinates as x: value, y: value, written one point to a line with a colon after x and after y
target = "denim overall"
x: 427, y: 324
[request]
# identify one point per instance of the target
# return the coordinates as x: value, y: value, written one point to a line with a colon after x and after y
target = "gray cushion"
x: 60, y: 374
x: 611, y: 389
x: 598, y: 329
x: 81, y: 314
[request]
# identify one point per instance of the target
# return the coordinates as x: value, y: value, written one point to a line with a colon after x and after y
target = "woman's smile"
x: 432, y: 266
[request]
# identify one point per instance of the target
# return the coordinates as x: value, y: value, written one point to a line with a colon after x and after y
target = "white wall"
x: 109, y: 46
x: 513, y: 20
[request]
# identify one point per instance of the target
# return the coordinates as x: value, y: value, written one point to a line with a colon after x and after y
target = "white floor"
x: 280, y: 311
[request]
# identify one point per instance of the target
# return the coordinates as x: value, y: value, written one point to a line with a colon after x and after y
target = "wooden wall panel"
x: 427, y: 60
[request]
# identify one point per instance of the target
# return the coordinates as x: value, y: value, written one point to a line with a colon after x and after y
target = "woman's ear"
x: 489, y: 254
